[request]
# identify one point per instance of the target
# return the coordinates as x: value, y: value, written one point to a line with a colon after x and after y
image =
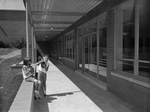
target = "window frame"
x: 136, y: 59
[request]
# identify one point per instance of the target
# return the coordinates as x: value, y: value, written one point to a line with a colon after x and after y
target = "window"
x: 64, y: 46
x: 133, y: 37
x: 144, y: 38
x: 89, y: 28
x: 126, y: 38
x: 70, y: 45
x: 102, y: 42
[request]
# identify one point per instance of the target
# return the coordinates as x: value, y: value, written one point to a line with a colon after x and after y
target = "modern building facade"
x: 110, y: 43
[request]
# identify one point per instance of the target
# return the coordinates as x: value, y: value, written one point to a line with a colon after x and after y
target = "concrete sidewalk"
x: 69, y: 92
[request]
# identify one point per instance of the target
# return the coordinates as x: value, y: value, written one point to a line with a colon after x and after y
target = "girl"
x: 28, y: 72
x: 42, y: 70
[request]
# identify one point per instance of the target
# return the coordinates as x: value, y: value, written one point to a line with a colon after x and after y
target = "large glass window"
x: 88, y: 40
x: 90, y: 48
x: 65, y: 46
x: 89, y: 28
x: 70, y: 45
x: 80, y: 50
x: 133, y: 48
x: 103, y: 45
x: 144, y: 38
x: 126, y: 37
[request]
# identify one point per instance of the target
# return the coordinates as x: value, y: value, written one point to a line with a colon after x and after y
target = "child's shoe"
x: 36, y: 94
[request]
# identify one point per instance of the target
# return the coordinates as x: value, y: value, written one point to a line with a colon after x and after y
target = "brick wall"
x: 136, y: 95
x: 110, y: 39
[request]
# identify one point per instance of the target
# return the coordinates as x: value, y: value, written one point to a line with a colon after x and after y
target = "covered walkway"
x: 69, y: 92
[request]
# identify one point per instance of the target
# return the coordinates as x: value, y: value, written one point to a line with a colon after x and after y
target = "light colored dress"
x: 42, y: 76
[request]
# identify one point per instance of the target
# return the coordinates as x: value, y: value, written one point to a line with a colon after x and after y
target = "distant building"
x: 12, y: 25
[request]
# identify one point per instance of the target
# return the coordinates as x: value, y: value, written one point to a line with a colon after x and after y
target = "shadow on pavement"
x: 63, y: 94
x: 41, y: 105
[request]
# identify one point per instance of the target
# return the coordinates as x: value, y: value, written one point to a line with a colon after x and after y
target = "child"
x: 28, y: 72
x: 42, y: 72
x: 40, y: 60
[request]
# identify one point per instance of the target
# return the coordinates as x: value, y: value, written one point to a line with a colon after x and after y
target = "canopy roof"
x: 51, y: 17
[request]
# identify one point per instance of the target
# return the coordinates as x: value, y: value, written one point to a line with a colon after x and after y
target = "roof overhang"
x: 51, y: 17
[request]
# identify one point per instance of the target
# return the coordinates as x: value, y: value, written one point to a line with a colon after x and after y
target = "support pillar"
x: 32, y: 36
x: 27, y: 33
x: 35, y: 49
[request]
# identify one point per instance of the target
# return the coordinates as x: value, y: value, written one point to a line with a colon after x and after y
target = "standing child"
x: 28, y: 75
x: 40, y: 60
x: 42, y: 72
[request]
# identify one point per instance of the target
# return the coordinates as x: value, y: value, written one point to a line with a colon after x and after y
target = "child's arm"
x: 39, y: 62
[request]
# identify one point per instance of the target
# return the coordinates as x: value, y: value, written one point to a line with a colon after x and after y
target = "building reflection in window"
x: 144, y: 38
x: 126, y: 39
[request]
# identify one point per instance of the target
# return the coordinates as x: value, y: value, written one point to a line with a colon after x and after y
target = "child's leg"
x: 39, y: 77
x: 37, y: 82
x: 44, y: 83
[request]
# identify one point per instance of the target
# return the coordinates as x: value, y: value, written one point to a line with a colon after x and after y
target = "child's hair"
x: 39, y: 58
x: 46, y: 55
x: 26, y: 60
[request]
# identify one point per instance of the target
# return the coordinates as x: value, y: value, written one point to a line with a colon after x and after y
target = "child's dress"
x: 28, y: 73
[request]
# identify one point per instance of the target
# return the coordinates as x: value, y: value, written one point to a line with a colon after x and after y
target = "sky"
x: 11, y: 5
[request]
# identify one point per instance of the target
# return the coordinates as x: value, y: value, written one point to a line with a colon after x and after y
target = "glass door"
x: 93, y: 55
x: 86, y: 54
x: 90, y: 54
x: 80, y: 54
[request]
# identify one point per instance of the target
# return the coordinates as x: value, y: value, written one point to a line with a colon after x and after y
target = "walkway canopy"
x: 51, y: 17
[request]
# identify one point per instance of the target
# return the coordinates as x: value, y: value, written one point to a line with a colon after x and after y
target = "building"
x: 12, y: 25
x: 109, y: 42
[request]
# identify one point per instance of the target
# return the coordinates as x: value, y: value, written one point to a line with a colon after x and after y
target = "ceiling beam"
x: 49, y: 31
x: 44, y: 35
x: 50, y: 28
x: 53, y: 22
x: 58, y: 13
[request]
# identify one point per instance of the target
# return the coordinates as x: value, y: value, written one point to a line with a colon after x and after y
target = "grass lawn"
x: 10, y: 81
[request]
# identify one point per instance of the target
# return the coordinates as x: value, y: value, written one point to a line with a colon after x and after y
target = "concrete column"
x: 136, y: 53
x: 97, y: 47
x: 76, y: 48
x: 27, y: 33
x: 32, y: 36
x: 35, y: 49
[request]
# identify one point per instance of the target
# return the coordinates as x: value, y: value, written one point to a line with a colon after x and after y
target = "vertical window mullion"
x: 136, y: 62
x: 97, y: 24
x: 65, y: 45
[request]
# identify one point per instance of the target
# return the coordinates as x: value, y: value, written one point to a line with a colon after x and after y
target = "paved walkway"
x: 10, y: 55
x: 69, y: 92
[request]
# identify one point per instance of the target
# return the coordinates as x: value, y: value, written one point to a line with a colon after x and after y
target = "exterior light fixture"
x: 51, y: 27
